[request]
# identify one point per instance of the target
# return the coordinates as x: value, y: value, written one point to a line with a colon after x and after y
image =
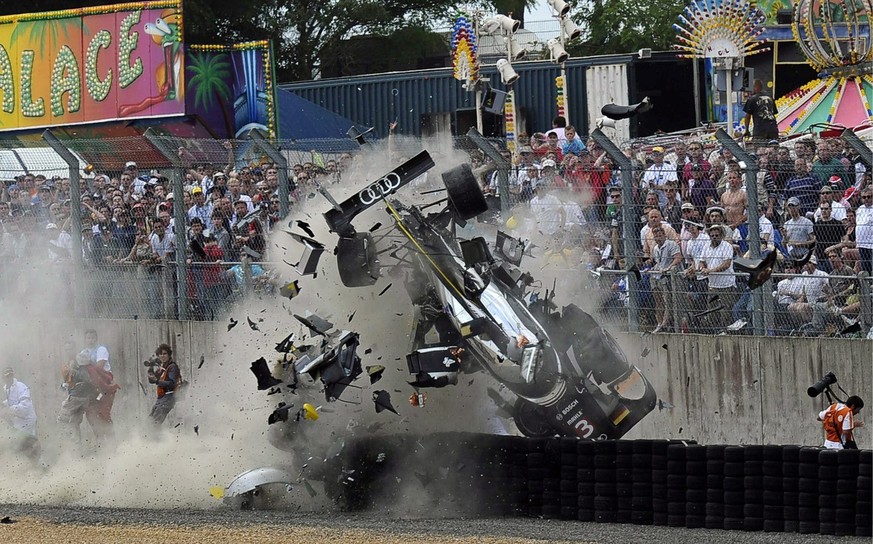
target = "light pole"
x: 557, y: 51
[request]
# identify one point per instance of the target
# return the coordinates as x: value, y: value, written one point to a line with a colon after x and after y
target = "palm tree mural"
x: 209, y: 74
x: 47, y: 31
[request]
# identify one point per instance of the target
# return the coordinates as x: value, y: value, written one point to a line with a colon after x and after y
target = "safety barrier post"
x: 675, y: 286
x: 865, y: 315
x: 631, y: 238
x: 858, y: 146
x: 281, y: 162
x: 179, y: 216
x: 502, y: 165
x: 75, y: 216
x: 759, y: 326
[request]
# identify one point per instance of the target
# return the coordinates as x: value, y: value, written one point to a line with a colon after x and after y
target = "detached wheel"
x: 357, y: 260
x: 531, y: 420
x: 465, y: 194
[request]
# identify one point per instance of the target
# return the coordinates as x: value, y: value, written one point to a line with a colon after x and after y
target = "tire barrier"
x: 646, y: 482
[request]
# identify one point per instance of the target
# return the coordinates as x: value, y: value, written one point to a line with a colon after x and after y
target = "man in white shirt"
x: 658, y: 175
x: 716, y: 263
x: 666, y: 258
x: 17, y: 406
x: 838, y: 211
x: 864, y: 229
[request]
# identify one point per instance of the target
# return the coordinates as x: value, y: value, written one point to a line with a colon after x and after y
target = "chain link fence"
x: 599, y: 205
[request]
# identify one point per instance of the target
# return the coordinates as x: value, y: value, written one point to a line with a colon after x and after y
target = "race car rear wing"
x: 340, y: 220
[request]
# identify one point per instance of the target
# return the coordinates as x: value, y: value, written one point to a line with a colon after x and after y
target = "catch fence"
x: 595, y: 206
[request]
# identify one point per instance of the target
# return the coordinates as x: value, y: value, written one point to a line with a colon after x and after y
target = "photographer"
x: 168, y: 379
x: 839, y: 422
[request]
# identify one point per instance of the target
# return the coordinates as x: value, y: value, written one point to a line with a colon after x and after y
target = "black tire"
x: 715, y: 509
x: 465, y: 194
x: 828, y: 458
x: 695, y: 522
x: 531, y: 420
x: 586, y: 514
x: 357, y: 260
x: 641, y: 517
x: 695, y: 467
x: 733, y: 524
x: 828, y: 472
x: 715, y: 496
x: 732, y: 483
x: 713, y: 522
x: 695, y: 495
x: 753, y: 524
x: 734, y: 469
x: 774, y: 526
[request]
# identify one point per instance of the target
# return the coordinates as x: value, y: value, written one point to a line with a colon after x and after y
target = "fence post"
x: 631, y: 238
x: 865, y: 315
x: 502, y: 165
x: 180, y: 218
x: 761, y: 320
x: 76, y: 216
x: 859, y: 147
x: 277, y: 157
x: 675, y: 284
x: 247, y: 275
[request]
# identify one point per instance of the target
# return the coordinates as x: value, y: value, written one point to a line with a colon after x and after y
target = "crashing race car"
x: 570, y: 376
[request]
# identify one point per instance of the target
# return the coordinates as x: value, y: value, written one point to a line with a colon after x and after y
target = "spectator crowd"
x: 689, y: 212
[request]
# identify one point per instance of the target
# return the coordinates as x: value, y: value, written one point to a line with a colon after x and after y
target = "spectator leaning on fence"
x: 666, y: 258
x: 828, y: 232
x: 716, y: 263
x: 864, y: 229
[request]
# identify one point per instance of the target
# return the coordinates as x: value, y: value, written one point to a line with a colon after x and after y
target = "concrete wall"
x: 734, y: 390
x: 729, y: 390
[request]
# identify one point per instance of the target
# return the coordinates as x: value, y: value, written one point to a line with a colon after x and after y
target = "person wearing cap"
x: 656, y: 176
x: 717, y: 265
x: 201, y: 208
x: 548, y: 210
x: 17, y: 407
x: 761, y: 112
x: 549, y: 175
x: 797, y: 232
x: 60, y: 244
x: 526, y: 183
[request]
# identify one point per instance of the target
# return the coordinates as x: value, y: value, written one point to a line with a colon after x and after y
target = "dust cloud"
x: 174, y: 466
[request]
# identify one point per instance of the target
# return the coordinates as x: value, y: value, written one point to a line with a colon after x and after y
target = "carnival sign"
x: 84, y: 65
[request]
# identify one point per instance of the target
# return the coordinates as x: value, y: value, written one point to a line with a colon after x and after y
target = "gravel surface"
x: 104, y: 525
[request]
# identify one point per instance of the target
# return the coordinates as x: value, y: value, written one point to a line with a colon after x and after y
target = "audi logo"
x: 380, y: 189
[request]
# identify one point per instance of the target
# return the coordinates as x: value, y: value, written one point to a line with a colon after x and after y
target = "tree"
x: 304, y: 32
x: 623, y: 26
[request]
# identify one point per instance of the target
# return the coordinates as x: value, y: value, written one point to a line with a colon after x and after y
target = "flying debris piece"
x: 197, y: 430
x: 315, y: 323
x: 177, y: 425
x: 382, y: 399
x: 435, y: 366
x: 644, y: 353
x: 635, y: 270
x: 759, y: 270
x: 511, y: 249
x: 737, y: 325
x: 709, y: 311
x: 380, y: 458
x: 425, y: 479
x: 309, y: 412
x: 616, y: 112
x: 851, y: 329
x: 290, y: 290
x: 309, y: 488
x: 664, y: 346
x: 375, y: 227
x: 232, y: 324
x: 304, y: 226
x: 286, y: 345
x: 266, y: 380
x: 217, y: 492
x: 664, y: 405
x: 274, y: 390
x: 202, y: 360
x: 368, y: 351
x: 336, y: 364
x: 352, y: 316
x: 7, y: 520
x: 307, y: 265
x: 418, y: 400
x: 375, y: 373
x: 382, y: 292
x: 280, y: 413
x: 252, y: 324
x: 335, y: 449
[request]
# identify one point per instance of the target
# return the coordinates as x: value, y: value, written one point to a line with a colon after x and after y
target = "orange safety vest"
x: 164, y: 374
x: 833, y: 422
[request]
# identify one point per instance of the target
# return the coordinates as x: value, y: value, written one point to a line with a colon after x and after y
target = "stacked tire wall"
x: 646, y: 482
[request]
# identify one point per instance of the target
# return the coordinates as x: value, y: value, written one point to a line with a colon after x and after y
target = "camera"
x: 818, y: 388
x: 152, y: 362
